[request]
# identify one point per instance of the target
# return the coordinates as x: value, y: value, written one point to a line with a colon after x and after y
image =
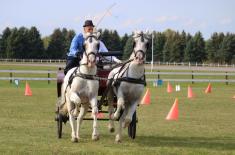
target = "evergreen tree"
x: 159, y: 42
x: 111, y: 39
x: 69, y: 36
x: 189, y: 51
x: 188, y: 48
x: 175, y: 48
x: 183, y: 42
x: 56, y: 48
x: 18, y: 43
x: 3, y: 45
x: 115, y: 41
x: 105, y: 37
x: 169, y: 47
x: 227, y: 50
x: 1, y: 51
x: 212, y: 47
x: 124, y: 40
x: 200, y: 53
x: 36, y: 49
x: 128, y: 48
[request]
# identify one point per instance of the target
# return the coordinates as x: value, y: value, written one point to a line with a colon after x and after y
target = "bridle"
x: 90, y: 53
x: 141, y: 35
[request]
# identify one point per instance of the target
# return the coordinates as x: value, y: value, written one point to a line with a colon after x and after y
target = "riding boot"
x: 71, y: 63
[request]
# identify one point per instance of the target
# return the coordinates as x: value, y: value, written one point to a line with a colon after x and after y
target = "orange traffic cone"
x: 208, y: 89
x: 146, y: 99
x: 28, y: 91
x: 100, y: 115
x: 173, y: 113
x: 190, y: 92
x: 169, y: 87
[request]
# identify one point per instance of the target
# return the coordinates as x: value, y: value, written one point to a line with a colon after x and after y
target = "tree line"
x: 169, y: 46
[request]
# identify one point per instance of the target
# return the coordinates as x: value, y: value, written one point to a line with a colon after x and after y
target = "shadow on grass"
x: 217, y: 143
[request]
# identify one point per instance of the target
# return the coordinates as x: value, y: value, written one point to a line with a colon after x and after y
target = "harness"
x: 131, y: 80
x: 117, y: 82
x: 81, y: 75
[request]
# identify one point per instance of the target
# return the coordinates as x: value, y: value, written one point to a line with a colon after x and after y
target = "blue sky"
x: 126, y: 16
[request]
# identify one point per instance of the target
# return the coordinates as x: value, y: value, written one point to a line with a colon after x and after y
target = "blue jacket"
x: 76, y: 45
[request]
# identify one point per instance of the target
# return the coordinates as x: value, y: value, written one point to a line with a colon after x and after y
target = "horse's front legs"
x: 130, y: 111
x: 82, y: 113
x: 70, y: 107
x: 74, y: 102
x: 120, y: 105
x: 95, y: 133
x: 118, y: 137
x: 110, y: 96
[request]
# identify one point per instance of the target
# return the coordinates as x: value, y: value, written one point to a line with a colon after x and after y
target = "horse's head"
x: 91, y: 48
x: 140, y: 46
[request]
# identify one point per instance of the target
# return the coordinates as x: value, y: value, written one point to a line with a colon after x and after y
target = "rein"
x: 140, y: 80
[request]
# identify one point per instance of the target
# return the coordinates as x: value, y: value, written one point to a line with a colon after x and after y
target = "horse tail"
x: 63, y: 93
x: 63, y: 107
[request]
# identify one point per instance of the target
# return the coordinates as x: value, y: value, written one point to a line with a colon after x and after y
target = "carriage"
x: 104, y: 67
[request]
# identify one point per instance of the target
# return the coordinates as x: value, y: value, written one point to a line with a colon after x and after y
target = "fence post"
x: 226, y: 77
x: 48, y: 75
x: 11, y: 77
x: 192, y: 77
x: 158, y: 75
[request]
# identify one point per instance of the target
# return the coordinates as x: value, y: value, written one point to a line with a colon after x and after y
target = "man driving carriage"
x: 76, y: 48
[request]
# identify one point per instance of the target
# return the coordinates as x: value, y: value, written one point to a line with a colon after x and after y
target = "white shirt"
x: 104, y: 49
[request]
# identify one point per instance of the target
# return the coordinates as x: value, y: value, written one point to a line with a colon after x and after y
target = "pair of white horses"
x: 126, y: 83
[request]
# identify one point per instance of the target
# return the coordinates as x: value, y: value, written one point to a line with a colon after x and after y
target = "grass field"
x: 206, y: 123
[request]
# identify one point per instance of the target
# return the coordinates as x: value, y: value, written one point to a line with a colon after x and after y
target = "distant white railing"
x: 224, y: 76
x: 154, y: 63
x: 12, y: 76
x: 189, y: 64
x: 34, y: 60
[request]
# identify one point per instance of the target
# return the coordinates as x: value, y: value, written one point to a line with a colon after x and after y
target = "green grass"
x: 206, y: 123
x: 9, y: 66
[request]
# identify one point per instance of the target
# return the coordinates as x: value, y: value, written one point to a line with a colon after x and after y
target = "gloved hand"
x: 117, y: 60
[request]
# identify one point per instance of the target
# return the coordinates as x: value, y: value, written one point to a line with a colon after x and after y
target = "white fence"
x: 154, y: 63
x: 189, y: 64
x: 223, y: 76
x: 34, y: 60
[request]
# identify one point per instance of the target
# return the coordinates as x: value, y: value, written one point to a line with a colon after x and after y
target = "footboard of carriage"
x: 104, y: 68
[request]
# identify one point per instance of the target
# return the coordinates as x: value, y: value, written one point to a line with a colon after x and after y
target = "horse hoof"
x: 126, y: 123
x: 115, y: 116
x: 111, y: 130
x: 74, y: 140
x: 118, y: 141
x: 95, y: 137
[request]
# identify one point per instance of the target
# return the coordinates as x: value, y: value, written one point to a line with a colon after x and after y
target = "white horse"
x: 82, y: 90
x: 128, y: 82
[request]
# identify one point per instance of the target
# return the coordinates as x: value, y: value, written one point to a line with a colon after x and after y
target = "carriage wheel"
x: 59, y: 125
x: 132, y: 127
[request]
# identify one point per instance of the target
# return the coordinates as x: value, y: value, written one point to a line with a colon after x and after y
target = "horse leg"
x: 130, y: 111
x: 95, y: 134
x: 76, y: 100
x: 111, y: 111
x: 83, y: 110
x: 70, y: 107
x: 120, y: 104
x: 118, y: 137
